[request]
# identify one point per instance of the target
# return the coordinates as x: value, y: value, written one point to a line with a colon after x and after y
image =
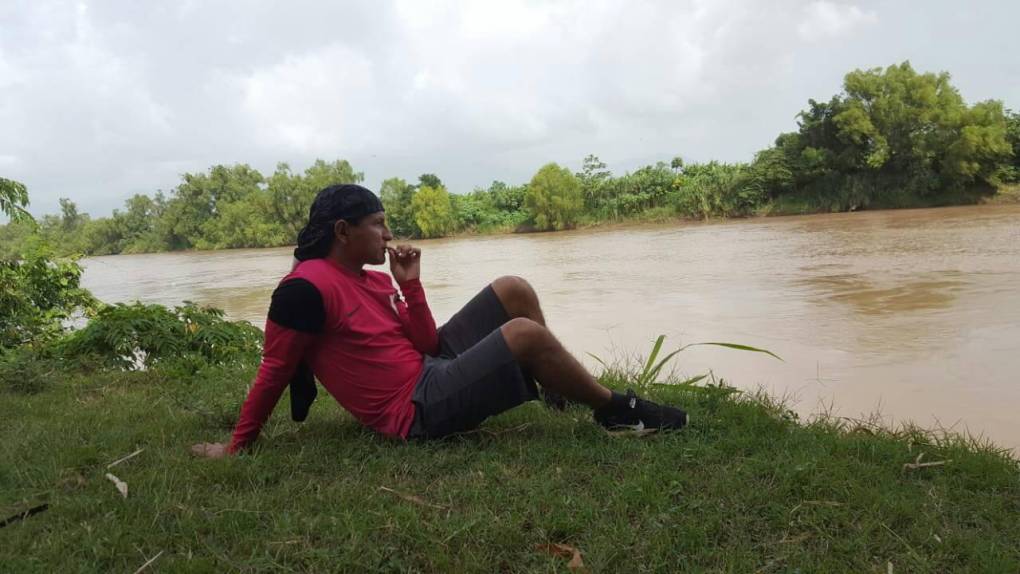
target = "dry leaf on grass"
x: 412, y: 498
x: 564, y: 551
x: 122, y: 486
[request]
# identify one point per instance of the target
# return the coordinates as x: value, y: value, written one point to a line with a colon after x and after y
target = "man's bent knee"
x: 513, y: 286
x: 527, y: 338
x: 522, y: 328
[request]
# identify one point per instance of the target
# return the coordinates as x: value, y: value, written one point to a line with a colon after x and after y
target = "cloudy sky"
x: 103, y: 99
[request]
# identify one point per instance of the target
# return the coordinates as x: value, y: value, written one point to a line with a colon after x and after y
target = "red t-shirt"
x: 366, y: 350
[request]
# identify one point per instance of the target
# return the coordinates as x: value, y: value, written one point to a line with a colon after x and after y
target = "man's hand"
x: 405, y: 262
x: 210, y: 450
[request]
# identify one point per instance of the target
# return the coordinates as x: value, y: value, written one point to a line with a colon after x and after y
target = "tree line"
x: 892, y: 137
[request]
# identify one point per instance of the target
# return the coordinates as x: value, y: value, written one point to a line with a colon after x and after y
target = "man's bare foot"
x: 209, y: 450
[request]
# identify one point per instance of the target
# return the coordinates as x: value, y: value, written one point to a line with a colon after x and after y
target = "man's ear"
x: 340, y: 231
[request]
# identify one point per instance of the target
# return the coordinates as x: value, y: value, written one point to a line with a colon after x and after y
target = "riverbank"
x: 791, y: 206
x: 1007, y: 195
x: 747, y: 487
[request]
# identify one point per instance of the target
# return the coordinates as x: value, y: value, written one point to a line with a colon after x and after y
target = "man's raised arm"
x: 415, y: 315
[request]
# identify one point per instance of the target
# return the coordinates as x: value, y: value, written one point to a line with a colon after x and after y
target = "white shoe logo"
x: 640, y: 426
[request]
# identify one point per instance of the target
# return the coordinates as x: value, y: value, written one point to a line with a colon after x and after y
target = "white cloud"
x: 315, y: 102
x: 102, y: 99
x: 825, y: 19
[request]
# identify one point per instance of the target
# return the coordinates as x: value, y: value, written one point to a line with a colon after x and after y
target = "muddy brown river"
x: 913, y: 314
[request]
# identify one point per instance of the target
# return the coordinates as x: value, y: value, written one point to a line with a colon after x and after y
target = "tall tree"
x: 430, y: 180
x: 593, y: 178
x: 554, y: 198
x: 397, y: 199
x: 433, y: 211
x: 70, y: 219
x: 895, y: 132
x: 291, y: 195
x: 200, y: 197
x: 1013, y: 137
x: 508, y: 198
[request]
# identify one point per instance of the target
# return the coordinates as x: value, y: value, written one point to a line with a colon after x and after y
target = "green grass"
x: 746, y: 488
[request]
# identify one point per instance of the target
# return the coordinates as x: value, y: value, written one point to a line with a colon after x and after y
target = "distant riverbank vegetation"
x: 892, y: 138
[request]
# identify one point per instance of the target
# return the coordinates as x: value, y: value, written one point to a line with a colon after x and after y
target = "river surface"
x: 913, y: 314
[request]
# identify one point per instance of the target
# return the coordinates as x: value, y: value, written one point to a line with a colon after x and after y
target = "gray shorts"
x: 475, y: 375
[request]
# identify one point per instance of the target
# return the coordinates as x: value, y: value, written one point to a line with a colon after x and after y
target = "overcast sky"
x: 100, y: 100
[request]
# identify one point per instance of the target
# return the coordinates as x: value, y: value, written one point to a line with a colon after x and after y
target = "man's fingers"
x: 404, y: 252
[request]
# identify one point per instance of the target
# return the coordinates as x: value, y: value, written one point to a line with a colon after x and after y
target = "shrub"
x: 138, y: 336
x: 38, y: 297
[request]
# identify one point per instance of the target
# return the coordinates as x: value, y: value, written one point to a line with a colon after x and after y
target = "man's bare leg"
x: 555, y: 368
x: 535, y: 347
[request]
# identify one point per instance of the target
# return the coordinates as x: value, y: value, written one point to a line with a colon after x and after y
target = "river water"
x: 913, y: 314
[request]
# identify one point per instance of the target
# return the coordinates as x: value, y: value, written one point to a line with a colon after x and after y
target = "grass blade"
x: 601, y: 362
x: 655, y: 371
x: 690, y: 381
x: 739, y: 348
x: 643, y: 378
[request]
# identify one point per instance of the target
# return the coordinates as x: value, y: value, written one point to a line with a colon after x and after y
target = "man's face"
x: 367, y: 240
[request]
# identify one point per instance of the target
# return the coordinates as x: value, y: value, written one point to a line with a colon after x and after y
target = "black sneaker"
x: 632, y: 412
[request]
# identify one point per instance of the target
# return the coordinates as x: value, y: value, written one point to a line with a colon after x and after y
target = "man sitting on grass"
x: 377, y: 350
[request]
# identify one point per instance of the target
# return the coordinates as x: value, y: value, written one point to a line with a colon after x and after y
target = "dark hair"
x: 348, y: 202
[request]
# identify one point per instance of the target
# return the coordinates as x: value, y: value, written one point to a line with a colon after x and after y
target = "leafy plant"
x: 650, y: 373
x: 13, y: 200
x: 38, y: 296
x: 134, y: 336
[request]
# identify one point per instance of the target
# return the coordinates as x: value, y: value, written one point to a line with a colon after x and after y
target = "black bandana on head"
x: 346, y: 201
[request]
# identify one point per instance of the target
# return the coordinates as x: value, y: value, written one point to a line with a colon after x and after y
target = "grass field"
x: 746, y: 488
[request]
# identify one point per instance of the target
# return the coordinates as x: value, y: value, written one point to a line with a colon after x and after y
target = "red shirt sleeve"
x: 283, y: 350
x: 419, y: 326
